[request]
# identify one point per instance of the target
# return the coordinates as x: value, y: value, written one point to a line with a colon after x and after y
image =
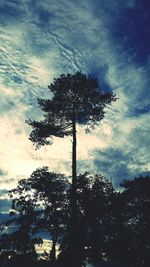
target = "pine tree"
x: 76, y: 98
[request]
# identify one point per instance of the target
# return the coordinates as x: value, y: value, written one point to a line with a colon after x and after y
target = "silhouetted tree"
x: 95, y: 217
x: 5, y: 250
x: 135, y: 216
x: 117, y: 240
x: 101, y: 217
x: 75, y: 98
x: 17, y: 242
x: 45, y: 192
x: 83, y: 196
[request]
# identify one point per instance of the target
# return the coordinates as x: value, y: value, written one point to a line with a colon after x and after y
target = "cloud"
x: 2, y: 172
x: 5, y: 205
x: 41, y: 40
x: 126, y: 154
x: 133, y: 33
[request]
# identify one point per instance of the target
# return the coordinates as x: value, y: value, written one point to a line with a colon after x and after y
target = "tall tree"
x: 75, y: 98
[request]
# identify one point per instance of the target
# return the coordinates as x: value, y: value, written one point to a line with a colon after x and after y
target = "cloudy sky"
x: 40, y: 40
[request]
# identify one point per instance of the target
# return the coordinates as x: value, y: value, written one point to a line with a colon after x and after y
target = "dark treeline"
x: 82, y: 215
x: 113, y: 227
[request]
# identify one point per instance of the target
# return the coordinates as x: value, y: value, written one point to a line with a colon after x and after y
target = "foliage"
x: 74, y: 97
x: 136, y: 220
x: 46, y: 191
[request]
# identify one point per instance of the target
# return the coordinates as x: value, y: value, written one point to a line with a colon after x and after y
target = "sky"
x: 40, y: 40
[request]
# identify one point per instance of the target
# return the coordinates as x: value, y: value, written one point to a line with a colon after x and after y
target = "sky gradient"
x: 40, y: 40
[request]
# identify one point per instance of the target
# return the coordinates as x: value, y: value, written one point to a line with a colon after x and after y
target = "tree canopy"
x: 73, y: 98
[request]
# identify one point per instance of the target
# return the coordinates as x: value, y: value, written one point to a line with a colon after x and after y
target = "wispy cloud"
x: 41, y: 40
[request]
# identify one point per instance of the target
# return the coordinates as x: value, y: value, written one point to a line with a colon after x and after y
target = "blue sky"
x: 40, y: 40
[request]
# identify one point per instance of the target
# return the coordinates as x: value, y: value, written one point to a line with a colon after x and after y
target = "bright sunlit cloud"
x: 40, y: 41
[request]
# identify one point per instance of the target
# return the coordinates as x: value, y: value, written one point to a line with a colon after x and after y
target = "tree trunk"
x: 53, y: 251
x: 73, y: 242
x: 74, y: 167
